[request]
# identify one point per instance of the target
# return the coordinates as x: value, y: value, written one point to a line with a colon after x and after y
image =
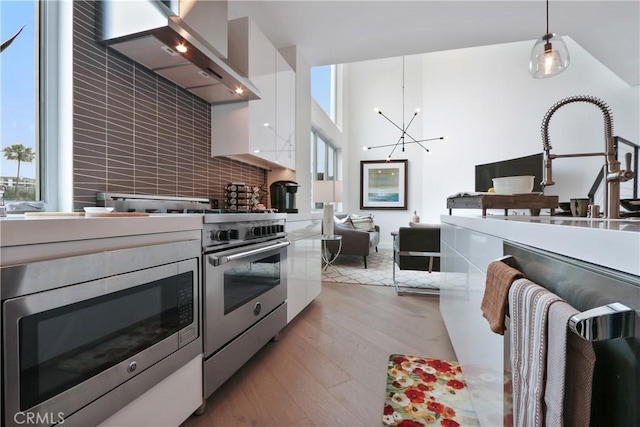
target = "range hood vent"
x: 151, y: 32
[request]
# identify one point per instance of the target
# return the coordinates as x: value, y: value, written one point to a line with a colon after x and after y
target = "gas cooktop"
x: 164, y: 204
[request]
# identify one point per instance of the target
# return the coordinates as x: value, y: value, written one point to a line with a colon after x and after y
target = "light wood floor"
x: 329, y: 367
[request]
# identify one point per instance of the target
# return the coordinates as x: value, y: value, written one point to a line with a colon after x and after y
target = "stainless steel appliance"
x: 153, y: 204
x: 160, y: 36
x: 244, y: 278
x: 244, y: 289
x: 283, y: 196
x: 84, y: 335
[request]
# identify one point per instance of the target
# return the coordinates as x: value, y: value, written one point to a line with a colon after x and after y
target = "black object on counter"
x: 283, y: 196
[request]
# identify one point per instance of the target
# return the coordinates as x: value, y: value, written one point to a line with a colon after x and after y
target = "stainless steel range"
x: 244, y: 289
x: 244, y: 278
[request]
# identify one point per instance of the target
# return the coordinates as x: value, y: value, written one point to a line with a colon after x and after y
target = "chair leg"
x: 394, y: 269
x: 365, y: 261
x: 376, y: 249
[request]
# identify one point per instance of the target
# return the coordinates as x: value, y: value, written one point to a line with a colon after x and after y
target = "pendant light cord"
x: 403, y: 104
x: 547, y: 17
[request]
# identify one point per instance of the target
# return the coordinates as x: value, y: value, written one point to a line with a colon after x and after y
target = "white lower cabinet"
x: 303, y: 264
x: 466, y: 255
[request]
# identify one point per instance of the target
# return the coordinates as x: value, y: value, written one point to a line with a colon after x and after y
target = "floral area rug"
x: 423, y: 392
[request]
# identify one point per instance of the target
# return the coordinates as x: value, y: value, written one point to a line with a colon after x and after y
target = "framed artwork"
x: 383, y: 185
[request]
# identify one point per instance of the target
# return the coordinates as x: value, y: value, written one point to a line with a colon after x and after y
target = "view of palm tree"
x: 19, y: 153
x: 20, y: 82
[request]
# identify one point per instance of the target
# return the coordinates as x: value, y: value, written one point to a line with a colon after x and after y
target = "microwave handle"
x: 219, y: 260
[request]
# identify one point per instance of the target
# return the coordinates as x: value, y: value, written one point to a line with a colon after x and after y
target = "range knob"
x: 223, y: 235
x: 256, y: 231
x: 234, y: 234
x: 280, y: 228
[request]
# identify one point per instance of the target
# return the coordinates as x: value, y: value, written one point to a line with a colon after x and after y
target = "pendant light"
x: 549, y: 55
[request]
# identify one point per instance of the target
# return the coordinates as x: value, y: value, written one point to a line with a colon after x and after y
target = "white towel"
x: 529, y: 304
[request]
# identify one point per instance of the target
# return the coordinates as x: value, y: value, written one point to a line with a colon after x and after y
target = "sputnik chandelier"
x: 405, y: 137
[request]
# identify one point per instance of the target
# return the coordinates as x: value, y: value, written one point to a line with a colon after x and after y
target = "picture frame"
x: 383, y: 184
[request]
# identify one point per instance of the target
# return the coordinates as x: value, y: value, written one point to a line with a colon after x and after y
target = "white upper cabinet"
x: 258, y: 132
x: 285, y: 113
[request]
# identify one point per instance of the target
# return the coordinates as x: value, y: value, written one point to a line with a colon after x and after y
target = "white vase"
x: 414, y: 217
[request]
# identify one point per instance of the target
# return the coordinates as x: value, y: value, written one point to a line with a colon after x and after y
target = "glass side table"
x: 327, y: 257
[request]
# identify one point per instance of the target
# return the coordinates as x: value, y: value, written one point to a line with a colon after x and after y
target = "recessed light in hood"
x: 164, y: 43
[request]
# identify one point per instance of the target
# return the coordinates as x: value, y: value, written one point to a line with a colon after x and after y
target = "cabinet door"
x: 262, y: 69
x: 303, y: 263
x: 285, y: 113
x: 466, y: 254
x: 248, y: 128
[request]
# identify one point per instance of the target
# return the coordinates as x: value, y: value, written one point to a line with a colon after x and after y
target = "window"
x: 324, y: 89
x: 324, y: 162
x: 20, y: 99
x: 36, y: 87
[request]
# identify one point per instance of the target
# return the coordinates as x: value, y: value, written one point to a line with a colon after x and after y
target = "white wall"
x: 491, y: 109
x: 378, y: 84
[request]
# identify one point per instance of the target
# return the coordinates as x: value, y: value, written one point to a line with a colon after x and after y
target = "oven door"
x: 66, y: 347
x: 241, y: 286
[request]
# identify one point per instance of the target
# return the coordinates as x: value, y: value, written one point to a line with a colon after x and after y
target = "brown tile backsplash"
x: 135, y: 132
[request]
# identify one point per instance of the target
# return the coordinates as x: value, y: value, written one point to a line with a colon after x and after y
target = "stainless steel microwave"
x: 77, y: 328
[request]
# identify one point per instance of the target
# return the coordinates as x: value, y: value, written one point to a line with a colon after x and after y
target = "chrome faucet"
x: 612, y: 173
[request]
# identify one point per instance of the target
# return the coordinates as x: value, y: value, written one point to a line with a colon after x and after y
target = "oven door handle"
x: 219, y: 260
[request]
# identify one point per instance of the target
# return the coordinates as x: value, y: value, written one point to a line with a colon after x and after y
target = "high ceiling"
x: 334, y: 32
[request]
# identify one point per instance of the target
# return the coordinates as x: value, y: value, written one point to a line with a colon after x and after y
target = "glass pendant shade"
x: 549, y: 57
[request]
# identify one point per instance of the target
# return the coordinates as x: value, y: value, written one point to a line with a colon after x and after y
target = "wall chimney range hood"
x: 155, y: 34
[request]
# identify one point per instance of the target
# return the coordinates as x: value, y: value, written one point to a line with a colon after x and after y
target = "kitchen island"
x: 469, y: 244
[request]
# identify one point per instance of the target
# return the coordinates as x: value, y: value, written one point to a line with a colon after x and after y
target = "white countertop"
x: 610, y: 243
x: 304, y: 216
x: 17, y: 230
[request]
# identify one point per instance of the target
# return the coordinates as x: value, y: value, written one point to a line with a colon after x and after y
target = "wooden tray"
x: 535, y: 202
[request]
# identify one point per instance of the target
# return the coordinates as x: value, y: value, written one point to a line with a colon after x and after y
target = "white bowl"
x: 513, y: 184
x: 97, y: 209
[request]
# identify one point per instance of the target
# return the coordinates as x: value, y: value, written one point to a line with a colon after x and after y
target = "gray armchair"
x: 354, y: 242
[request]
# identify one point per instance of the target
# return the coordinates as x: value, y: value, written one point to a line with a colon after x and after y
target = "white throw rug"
x: 379, y: 271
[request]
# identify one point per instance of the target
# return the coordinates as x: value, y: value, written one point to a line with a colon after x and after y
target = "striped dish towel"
x: 529, y: 305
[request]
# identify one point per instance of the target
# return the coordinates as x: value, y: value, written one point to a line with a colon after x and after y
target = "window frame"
x: 54, y: 116
x: 335, y: 91
x: 56, y: 106
x: 330, y: 161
